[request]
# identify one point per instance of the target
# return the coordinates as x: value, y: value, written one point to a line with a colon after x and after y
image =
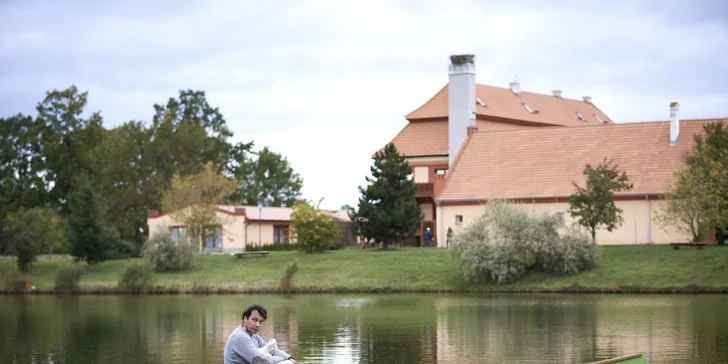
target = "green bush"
x: 488, y: 249
x: 166, y: 255
x: 118, y: 249
x: 276, y: 247
x: 25, y: 247
x: 314, y: 230
x: 505, y: 242
x: 68, y: 276
x: 137, y: 276
x: 574, y: 252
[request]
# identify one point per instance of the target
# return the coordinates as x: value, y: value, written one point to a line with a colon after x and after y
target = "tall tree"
x: 190, y: 133
x: 682, y: 209
x: 21, y: 180
x: 127, y: 180
x: 709, y: 162
x: 191, y: 200
x: 46, y: 225
x: 68, y: 141
x: 697, y: 201
x: 87, y: 235
x: 388, y: 211
x: 192, y: 108
x: 185, y: 134
x: 593, y: 206
x: 269, y: 179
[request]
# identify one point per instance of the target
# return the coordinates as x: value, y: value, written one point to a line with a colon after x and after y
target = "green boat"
x: 627, y: 359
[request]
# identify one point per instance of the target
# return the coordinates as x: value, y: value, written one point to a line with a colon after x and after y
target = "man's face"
x: 252, y: 323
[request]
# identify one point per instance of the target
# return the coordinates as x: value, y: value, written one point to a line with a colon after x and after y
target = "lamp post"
x: 260, y: 225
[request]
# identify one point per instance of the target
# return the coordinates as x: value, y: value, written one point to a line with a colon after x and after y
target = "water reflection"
x: 368, y: 328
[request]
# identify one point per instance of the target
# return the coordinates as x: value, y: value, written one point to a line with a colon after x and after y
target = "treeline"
x: 48, y: 158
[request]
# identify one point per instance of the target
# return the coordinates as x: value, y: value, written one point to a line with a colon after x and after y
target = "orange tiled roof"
x: 544, y: 162
x: 422, y: 138
x: 502, y: 103
x: 429, y: 137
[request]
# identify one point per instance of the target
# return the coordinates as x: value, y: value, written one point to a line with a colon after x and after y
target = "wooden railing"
x: 425, y: 190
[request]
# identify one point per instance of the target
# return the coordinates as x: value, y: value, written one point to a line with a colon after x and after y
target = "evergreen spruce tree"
x: 86, y: 230
x: 388, y: 211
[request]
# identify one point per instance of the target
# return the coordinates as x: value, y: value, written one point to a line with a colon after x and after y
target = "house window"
x: 213, y: 237
x: 561, y: 217
x: 527, y: 108
x: 581, y: 117
x: 598, y: 119
x: 421, y: 174
x: 280, y: 234
x: 458, y: 219
x: 441, y: 171
x: 179, y: 233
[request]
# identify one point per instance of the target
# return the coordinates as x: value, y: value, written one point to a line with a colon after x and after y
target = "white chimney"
x: 587, y: 99
x: 674, y: 122
x: 557, y: 93
x: 461, y: 101
x: 515, y: 87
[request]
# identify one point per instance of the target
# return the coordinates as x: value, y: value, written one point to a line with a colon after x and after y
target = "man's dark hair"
x: 263, y: 313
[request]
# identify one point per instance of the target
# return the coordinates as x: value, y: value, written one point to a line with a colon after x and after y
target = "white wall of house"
x: 232, y: 228
x: 639, y: 225
x: 427, y: 211
x: 263, y: 232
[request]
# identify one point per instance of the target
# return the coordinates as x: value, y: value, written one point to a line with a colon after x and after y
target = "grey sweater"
x: 241, y: 347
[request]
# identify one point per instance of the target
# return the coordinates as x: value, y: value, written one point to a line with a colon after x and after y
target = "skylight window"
x: 581, y: 117
x: 480, y: 102
x: 527, y: 108
x: 598, y: 119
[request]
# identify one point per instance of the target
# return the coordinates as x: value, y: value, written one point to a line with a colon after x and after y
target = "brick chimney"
x: 461, y: 101
x: 674, y: 122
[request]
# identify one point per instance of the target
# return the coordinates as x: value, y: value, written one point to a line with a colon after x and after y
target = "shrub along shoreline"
x: 622, y: 269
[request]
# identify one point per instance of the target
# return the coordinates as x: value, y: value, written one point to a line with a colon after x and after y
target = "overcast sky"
x: 328, y: 82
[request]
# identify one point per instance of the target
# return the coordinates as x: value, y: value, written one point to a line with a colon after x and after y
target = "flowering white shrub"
x: 166, y: 255
x: 505, y: 242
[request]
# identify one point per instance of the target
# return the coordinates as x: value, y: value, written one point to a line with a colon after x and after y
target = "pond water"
x: 368, y: 328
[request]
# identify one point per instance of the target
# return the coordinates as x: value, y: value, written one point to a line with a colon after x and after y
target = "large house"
x: 242, y: 227
x: 471, y: 143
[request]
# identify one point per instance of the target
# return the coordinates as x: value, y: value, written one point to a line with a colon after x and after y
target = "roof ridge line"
x: 537, y: 93
x: 391, y: 141
x: 666, y: 121
x: 428, y: 101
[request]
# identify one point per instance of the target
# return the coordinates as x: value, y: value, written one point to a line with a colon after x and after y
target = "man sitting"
x: 244, y: 344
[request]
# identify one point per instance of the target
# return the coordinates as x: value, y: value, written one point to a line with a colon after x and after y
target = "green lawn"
x: 622, y: 268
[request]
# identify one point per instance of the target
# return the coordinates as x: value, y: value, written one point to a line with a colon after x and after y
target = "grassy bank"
x: 622, y: 269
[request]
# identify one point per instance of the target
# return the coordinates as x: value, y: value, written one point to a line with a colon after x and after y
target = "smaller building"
x: 242, y: 227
